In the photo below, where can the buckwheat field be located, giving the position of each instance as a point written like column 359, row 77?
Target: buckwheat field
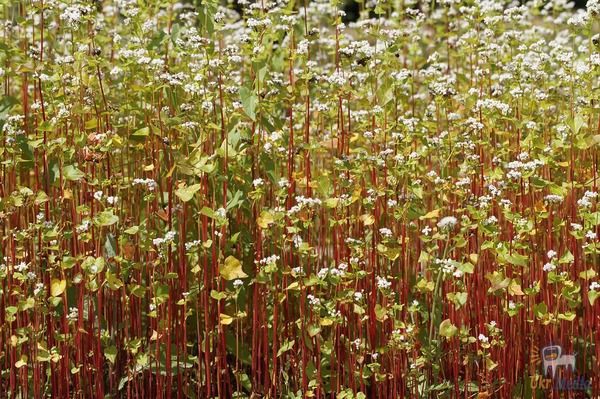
column 299, row 199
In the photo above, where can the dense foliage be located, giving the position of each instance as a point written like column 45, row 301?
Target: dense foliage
column 266, row 200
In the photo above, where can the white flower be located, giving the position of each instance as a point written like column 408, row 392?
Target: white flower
column 553, row 199
column 257, row 182
column 576, row 226
column 170, row 235
column 594, row 286
column 297, row 241
column 39, row 287
column 313, row 300
column 84, row 226
column 150, row 184
column 447, row 222
column 548, row 267
column 323, row 273
column 98, row 195
column 22, row 267
column 238, row 283
column 483, row 338
column 590, row 235
column 586, row 200
column 383, row 283
column 384, row 231
column 551, row 254
column 73, row 314
column 192, row 244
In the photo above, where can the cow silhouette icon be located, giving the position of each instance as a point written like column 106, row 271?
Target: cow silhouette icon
column 553, row 358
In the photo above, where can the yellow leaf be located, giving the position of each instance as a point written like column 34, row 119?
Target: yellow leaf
column 170, row 173
column 515, row 288
column 21, row 362
column 225, row 319
column 540, row 207
column 265, row 219
column 232, row 269
column 474, row 258
column 367, row 219
column 332, row 202
column 490, row 364
column 431, row 215
column 57, row 287
column 326, row 322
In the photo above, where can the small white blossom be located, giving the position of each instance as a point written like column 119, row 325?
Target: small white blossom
column 447, row 223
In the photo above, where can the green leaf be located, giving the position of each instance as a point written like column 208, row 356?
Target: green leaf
column 140, row 134
column 313, row 330
column 568, row 316
column 106, row 218
column 217, row 296
column 232, row 269
column 133, row 230
column 286, row 346
column 138, row 291
column 187, row 193
column 91, row 124
column 111, row 354
column 576, row 123
column 390, row 253
column 592, row 296
column 540, row 310
column 249, row 102
column 466, row 267
column 567, row 258
column 458, row 298
column 206, row 211
column 447, row 329
column 71, row 173
column 68, row 262
column 516, row 259
column 114, row 283
column 110, row 246
column 587, row 274
column 161, row 293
